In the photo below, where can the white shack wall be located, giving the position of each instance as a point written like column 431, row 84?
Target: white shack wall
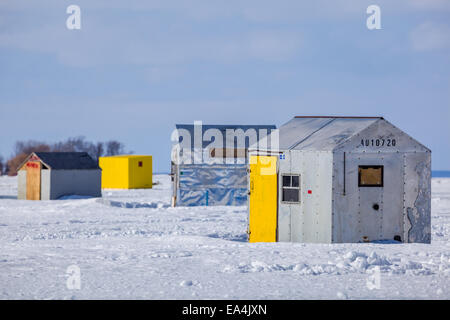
column 22, row 185
column 45, row 184
column 309, row 220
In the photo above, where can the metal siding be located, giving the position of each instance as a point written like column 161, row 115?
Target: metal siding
column 316, row 171
column 284, row 209
column 417, row 197
column 308, row 204
column 201, row 185
column 381, row 129
column 296, row 209
column 354, row 216
column 392, row 218
column 404, row 169
column 324, row 191
column 346, row 211
column 370, row 221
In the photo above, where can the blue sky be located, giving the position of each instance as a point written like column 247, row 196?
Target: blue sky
column 138, row 67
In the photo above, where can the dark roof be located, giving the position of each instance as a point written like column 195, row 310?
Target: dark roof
column 67, row 160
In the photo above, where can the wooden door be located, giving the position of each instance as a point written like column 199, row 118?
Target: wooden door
column 33, row 180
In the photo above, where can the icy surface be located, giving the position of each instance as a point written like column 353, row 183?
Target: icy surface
column 131, row 244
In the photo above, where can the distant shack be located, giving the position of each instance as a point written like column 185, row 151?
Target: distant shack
column 126, row 172
column 209, row 163
column 51, row 175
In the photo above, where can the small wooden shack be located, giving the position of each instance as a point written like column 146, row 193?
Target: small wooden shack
column 51, row 175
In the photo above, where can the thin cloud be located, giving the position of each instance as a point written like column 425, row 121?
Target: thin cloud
column 430, row 36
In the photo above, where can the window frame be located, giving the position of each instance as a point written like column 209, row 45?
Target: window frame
column 222, row 153
column 371, row 167
column 290, row 187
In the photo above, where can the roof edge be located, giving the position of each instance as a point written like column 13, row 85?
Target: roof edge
column 336, row 117
column 373, row 124
column 28, row 158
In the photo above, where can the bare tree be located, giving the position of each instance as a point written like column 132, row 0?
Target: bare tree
column 2, row 166
column 78, row 144
column 30, row 146
column 22, row 150
column 99, row 149
column 114, row 147
column 75, row 144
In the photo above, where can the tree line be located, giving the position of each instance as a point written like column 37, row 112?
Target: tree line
column 76, row 144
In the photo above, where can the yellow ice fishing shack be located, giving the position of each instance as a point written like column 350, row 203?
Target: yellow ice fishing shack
column 126, row 172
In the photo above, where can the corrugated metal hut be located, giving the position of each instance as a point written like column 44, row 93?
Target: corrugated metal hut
column 126, row 172
column 51, row 175
column 209, row 163
column 341, row 179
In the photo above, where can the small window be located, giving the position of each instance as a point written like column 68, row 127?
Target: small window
column 140, row 164
column 370, row 176
column 291, row 188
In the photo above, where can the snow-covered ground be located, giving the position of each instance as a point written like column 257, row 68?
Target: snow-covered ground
column 133, row 245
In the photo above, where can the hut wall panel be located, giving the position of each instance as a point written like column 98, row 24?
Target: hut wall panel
column 393, row 189
column 346, row 212
column 75, row 182
column 22, row 185
column 284, row 209
column 417, row 197
column 324, row 199
column 296, row 209
column 45, row 184
column 316, row 193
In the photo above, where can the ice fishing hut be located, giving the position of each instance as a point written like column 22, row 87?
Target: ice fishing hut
column 340, row 180
column 209, row 163
column 126, row 172
column 51, row 175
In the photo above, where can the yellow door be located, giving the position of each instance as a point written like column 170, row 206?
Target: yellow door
column 263, row 199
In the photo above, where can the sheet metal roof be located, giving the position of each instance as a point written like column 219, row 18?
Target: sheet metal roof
column 67, row 160
column 321, row 133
